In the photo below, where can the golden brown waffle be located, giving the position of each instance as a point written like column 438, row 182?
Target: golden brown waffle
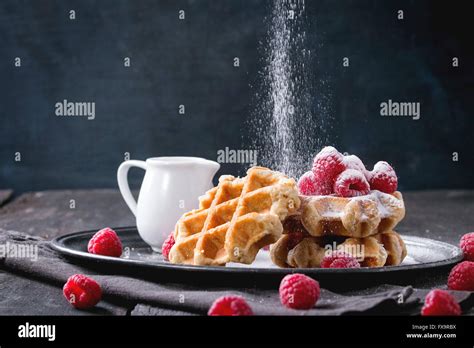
column 296, row 248
column 235, row 219
column 356, row 217
column 384, row 249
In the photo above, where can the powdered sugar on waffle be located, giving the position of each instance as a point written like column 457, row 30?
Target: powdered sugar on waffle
column 285, row 199
column 386, row 204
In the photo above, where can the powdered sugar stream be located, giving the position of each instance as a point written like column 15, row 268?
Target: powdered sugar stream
column 283, row 126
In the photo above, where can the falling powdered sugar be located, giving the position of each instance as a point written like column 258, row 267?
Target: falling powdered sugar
column 283, row 126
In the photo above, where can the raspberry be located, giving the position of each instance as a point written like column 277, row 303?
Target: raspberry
column 462, row 276
column 308, row 186
column 354, row 162
column 383, row 178
column 467, row 246
column 298, row 291
column 105, row 242
column 339, row 259
column 345, row 263
column 440, row 302
column 327, row 165
column 167, row 245
column 351, row 183
column 230, row 306
column 82, row 292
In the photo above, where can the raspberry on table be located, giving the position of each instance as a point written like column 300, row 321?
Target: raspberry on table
column 231, row 305
column 467, row 246
column 105, row 242
column 383, row 178
column 167, row 245
column 309, row 186
column 82, row 292
column 327, row 165
column 440, row 302
column 339, row 259
column 461, row 276
column 351, row 183
column 298, row 291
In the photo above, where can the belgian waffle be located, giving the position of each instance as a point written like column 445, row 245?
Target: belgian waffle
column 356, row 217
column 235, row 219
column 383, row 249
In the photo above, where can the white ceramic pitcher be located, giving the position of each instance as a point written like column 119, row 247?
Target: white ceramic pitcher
column 171, row 187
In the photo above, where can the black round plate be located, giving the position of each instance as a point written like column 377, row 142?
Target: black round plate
column 423, row 255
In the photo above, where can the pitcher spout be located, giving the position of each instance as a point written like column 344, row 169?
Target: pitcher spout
column 196, row 171
column 206, row 169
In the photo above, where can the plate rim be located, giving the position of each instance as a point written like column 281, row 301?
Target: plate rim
column 58, row 244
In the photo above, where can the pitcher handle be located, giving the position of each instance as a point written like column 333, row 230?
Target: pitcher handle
column 122, row 179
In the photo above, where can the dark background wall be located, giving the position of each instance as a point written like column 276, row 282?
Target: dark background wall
column 190, row 62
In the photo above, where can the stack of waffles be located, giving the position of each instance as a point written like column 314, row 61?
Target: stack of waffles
column 236, row 219
column 362, row 226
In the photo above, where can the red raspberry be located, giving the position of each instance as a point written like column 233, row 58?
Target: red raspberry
column 383, row 178
column 345, row 263
column 462, row 276
column 467, row 246
column 105, row 242
column 309, row 186
column 354, row 162
column 230, row 306
column 167, row 245
column 298, row 291
column 440, row 302
column 82, row 292
column 327, row 165
column 339, row 259
column 351, row 183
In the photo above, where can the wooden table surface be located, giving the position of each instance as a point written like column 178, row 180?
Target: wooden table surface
column 441, row 215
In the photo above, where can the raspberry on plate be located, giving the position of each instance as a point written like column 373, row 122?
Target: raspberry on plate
column 309, row 186
column 327, row 165
column 351, row 183
column 82, row 292
column 467, row 246
column 167, row 245
column 230, row 306
column 461, row 276
column 105, row 242
column 383, row 178
column 298, row 291
column 440, row 302
column 339, row 259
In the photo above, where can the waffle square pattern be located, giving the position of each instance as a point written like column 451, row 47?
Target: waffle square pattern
column 235, row 219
